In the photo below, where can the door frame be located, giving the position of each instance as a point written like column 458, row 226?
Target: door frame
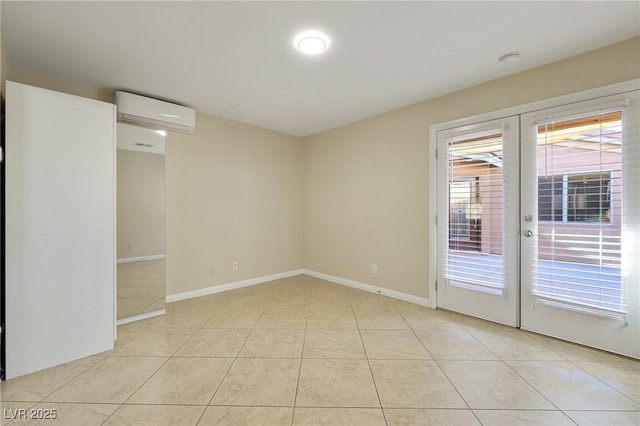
column 563, row 100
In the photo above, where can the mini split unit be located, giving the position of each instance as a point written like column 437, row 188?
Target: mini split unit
column 154, row 114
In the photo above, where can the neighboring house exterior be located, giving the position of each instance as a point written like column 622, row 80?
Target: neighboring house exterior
column 579, row 192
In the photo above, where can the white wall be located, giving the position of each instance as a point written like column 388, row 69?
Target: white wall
column 60, row 228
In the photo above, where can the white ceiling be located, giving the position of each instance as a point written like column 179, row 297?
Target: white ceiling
column 238, row 57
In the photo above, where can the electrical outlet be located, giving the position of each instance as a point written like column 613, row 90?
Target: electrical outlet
column 374, row 268
column 212, row 270
column 235, row 266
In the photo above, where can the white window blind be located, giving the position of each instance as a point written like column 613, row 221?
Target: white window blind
column 581, row 185
column 475, row 198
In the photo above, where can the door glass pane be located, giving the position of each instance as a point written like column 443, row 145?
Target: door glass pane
column 579, row 212
column 475, row 187
column 459, row 203
column 550, row 198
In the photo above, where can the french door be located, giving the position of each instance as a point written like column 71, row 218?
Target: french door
column 580, row 223
column 478, row 211
column 539, row 223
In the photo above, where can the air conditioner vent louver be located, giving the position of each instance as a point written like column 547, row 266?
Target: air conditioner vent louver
column 154, row 114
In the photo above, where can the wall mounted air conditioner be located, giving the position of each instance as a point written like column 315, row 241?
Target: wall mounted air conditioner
column 154, row 114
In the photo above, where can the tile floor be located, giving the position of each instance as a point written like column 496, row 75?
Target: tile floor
column 304, row 351
column 141, row 287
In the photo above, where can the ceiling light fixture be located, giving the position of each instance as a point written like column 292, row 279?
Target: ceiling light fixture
column 510, row 58
column 311, row 43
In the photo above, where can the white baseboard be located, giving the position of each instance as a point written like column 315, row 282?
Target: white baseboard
column 372, row 289
column 141, row 258
column 231, row 286
column 139, row 317
column 337, row 280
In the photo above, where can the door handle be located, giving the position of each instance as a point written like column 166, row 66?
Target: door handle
column 528, row 233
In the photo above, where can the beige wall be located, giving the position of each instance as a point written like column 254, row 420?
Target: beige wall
column 367, row 184
column 357, row 194
column 58, row 84
column 141, row 204
column 234, row 193
column 9, row 72
column 4, row 62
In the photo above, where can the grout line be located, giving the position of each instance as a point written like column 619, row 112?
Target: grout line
column 276, row 297
column 103, row 359
column 304, row 339
column 439, row 366
column 233, row 362
column 138, row 388
column 531, row 385
column 111, row 415
column 373, row 379
column 637, row 402
column 415, row 334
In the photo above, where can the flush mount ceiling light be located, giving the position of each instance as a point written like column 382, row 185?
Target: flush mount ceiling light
column 510, row 58
column 311, row 43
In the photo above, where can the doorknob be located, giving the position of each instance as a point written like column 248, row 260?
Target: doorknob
column 528, row 233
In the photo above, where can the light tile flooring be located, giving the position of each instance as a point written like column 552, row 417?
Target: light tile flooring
column 141, row 287
column 304, row 351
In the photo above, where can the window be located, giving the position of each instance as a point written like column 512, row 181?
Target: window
column 459, row 200
column 579, row 197
column 464, row 206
